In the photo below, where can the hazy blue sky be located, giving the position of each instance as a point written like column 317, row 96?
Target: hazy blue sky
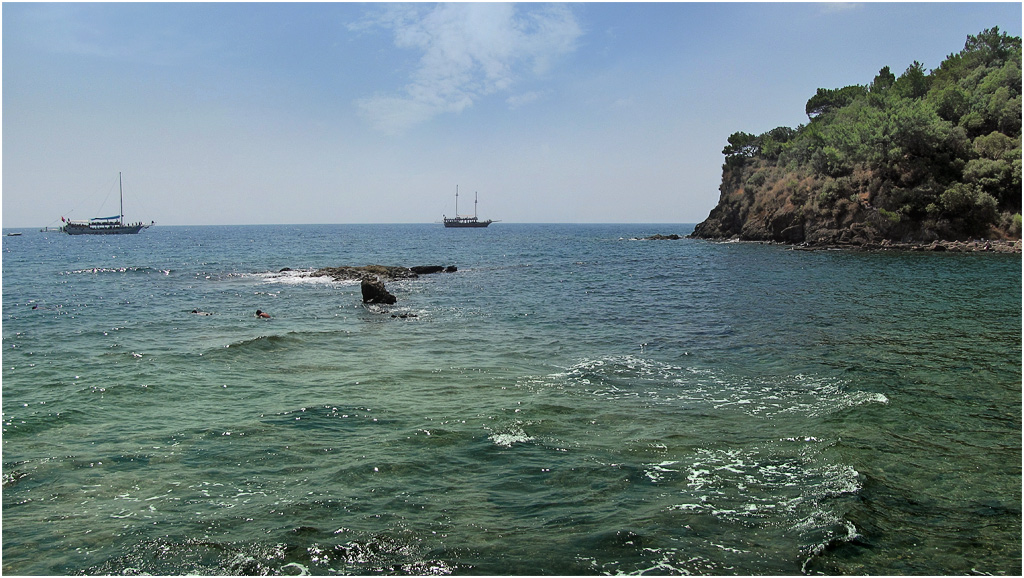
column 373, row 113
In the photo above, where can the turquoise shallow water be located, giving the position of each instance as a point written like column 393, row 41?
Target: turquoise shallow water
column 571, row 401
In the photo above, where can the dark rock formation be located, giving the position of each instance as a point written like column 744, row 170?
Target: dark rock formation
column 375, row 292
column 368, row 271
column 372, row 278
column 379, row 272
column 429, row 269
column 660, row 237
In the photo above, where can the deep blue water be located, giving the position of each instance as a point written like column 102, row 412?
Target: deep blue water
column 571, row 401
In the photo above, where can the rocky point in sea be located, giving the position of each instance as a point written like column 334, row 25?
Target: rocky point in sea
column 371, row 278
column 373, row 291
column 382, row 272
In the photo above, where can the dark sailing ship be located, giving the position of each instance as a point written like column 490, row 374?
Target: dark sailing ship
column 104, row 225
column 463, row 222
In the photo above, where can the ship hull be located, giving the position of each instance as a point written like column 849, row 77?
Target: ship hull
column 465, row 223
column 103, row 230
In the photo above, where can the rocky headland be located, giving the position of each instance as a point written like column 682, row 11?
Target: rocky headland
column 927, row 161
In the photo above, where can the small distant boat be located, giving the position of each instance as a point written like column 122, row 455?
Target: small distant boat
column 105, row 225
column 464, row 222
column 13, row 234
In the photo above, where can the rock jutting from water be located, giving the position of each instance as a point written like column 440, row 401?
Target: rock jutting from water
column 374, row 292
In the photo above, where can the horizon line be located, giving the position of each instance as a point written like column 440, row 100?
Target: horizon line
column 157, row 225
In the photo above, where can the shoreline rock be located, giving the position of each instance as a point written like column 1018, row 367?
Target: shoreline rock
column 660, row 237
column 972, row 246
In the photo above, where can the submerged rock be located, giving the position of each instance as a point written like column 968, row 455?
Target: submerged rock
column 347, row 273
column 365, row 272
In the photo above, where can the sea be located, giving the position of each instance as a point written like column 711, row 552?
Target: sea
column 573, row 400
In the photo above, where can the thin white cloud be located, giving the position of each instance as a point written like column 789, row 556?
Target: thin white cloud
column 468, row 51
column 520, row 100
column 837, row 7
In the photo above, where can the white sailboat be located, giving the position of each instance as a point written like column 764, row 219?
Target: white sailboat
column 105, row 225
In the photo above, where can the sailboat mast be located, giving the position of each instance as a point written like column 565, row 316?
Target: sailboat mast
column 475, row 199
column 456, row 200
column 120, row 188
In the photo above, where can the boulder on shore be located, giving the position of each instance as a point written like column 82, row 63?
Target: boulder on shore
column 375, row 292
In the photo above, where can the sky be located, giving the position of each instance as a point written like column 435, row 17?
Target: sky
column 288, row 113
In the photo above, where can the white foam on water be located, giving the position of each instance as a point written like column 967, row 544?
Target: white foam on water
column 781, row 483
column 657, row 472
column 295, row 566
column 629, row 377
column 786, row 484
column 813, row 551
column 509, row 438
column 300, row 277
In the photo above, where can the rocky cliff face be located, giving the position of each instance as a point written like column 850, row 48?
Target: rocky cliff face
column 761, row 202
column 757, row 204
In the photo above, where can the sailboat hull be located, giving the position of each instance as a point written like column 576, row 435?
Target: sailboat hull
column 75, row 229
column 465, row 222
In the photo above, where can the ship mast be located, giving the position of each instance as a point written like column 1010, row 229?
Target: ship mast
column 456, row 201
column 475, row 199
column 120, row 217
